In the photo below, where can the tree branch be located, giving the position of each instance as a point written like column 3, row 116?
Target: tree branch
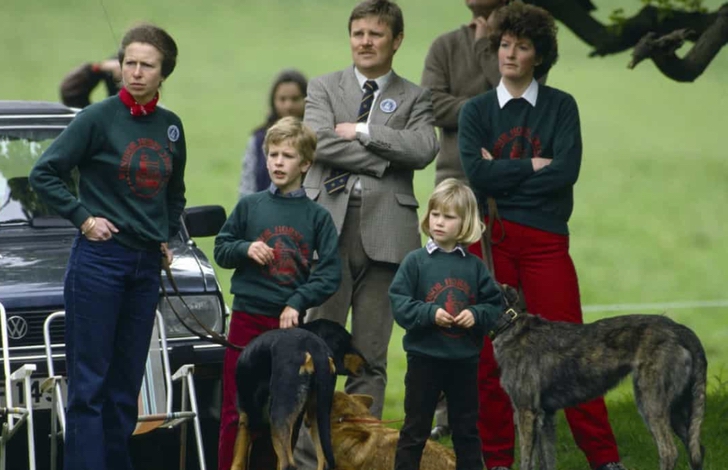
column 698, row 58
column 574, row 14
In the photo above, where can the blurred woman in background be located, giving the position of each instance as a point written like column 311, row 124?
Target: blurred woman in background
column 287, row 98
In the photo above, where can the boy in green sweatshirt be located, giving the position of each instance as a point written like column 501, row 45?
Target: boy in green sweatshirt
column 270, row 239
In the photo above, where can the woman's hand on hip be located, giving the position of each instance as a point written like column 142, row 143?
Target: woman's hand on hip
column 100, row 229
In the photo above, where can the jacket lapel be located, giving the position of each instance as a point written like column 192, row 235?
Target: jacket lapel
column 390, row 98
column 350, row 96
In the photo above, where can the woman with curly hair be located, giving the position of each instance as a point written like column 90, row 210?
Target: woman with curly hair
column 520, row 145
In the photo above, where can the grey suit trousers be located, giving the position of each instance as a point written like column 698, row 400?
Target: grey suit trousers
column 364, row 288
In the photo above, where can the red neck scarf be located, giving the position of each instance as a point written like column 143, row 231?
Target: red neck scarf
column 135, row 108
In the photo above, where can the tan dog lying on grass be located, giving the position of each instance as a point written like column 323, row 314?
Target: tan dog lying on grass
column 361, row 442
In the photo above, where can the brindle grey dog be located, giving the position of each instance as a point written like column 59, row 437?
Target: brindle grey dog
column 546, row 366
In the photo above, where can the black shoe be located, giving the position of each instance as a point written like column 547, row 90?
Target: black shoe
column 440, row 431
column 500, row 468
column 612, row 466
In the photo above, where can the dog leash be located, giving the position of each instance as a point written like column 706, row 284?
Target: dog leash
column 212, row 336
column 486, row 246
column 369, row 420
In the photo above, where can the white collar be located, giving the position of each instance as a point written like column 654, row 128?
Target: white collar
column 431, row 246
column 381, row 81
column 504, row 96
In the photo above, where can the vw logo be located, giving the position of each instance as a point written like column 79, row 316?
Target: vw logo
column 17, row 327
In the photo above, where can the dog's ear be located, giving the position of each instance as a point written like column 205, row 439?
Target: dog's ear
column 354, row 363
column 365, row 400
column 510, row 294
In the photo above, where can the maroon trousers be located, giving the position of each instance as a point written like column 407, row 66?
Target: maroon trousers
column 540, row 263
column 243, row 328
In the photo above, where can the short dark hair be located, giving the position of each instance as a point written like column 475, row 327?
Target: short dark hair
column 150, row 34
column 388, row 12
column 530, row 22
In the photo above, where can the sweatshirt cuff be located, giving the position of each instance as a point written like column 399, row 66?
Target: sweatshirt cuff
column 79, row 216
column 527, row 166
column 296, row 302
column 433, row 310
column 244, row 247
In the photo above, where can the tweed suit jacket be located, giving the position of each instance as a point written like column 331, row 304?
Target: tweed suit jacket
column 384, row 161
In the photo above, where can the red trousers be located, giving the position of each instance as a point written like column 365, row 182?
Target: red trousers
column 540, row 263
column 243, row 328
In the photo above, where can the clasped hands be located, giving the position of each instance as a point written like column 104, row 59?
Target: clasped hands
column 464, row 319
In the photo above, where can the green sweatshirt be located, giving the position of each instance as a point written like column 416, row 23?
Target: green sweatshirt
column 513, row 135
column 295, row 227
column 453, row 281
column 131, row 172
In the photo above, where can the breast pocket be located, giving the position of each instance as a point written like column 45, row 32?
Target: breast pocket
column 398, row 121
column 407, row 200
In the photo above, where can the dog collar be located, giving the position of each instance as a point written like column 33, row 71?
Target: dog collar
column 504, row 322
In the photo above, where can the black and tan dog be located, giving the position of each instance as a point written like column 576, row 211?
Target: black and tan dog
column 546, row 366
column 281, row 375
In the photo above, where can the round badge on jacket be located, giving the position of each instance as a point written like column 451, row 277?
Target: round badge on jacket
column 388, row 105
column 173, row 133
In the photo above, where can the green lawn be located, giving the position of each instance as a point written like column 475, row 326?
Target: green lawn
column 647, row 225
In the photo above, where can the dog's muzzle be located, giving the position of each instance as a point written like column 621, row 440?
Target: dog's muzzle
column 504, row 322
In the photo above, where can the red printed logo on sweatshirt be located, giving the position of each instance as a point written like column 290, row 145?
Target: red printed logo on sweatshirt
column 290, row 257
column 453, row 295
column 517, row 143
column 146, row 166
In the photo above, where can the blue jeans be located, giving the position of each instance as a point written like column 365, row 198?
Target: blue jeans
column 111, row 293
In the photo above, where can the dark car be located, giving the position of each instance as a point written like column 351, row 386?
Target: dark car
column 34, row 247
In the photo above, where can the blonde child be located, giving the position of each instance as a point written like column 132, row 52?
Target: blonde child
column 270, row 239
column 446, row 301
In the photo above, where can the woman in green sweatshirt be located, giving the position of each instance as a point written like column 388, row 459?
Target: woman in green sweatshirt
column 130, row 155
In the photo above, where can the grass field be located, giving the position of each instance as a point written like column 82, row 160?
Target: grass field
column 649, row 224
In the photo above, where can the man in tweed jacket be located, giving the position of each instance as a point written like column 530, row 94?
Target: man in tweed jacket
column 373, row 155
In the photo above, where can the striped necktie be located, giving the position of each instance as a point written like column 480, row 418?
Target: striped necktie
column 337, row 178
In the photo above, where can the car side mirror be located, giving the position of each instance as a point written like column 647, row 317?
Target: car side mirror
column 204, row 221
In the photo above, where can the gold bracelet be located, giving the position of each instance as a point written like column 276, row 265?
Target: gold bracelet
column 91, row 225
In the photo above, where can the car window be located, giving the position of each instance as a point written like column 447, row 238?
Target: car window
column 19, row 150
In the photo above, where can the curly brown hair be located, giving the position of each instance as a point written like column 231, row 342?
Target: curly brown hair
column 148, row 33
column 529, row 22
